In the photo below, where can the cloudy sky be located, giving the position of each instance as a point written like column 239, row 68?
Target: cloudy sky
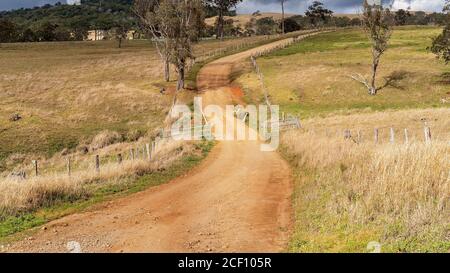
column 249, row 6
column 339, row 6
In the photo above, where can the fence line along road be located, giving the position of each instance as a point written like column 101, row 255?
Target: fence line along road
column 294, row 122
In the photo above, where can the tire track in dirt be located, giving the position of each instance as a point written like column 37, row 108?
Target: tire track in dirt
column 237, row 200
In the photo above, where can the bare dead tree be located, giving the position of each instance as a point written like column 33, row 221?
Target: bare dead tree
column 283, row 25
column 146, row 11
column 378, row 24
column 120, row 33
column 174, row 25
column 222, row 7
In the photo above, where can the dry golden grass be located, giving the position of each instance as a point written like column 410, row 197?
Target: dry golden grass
column 69, row 92
column 349, row 194
column 241, row 19
column 105, row 138
column 412, row 120
column 19, row 196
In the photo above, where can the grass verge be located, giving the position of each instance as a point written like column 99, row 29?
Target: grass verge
column 349, row 194
column 10, row 226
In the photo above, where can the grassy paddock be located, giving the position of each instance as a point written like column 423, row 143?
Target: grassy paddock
column 312, row 77
column 68, row 92
column 349, row 194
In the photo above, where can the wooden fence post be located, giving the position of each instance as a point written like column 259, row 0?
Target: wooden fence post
column 392, row 135
column 427, row 132
column 347, row 134
column 149, row 152
column 406, row 136
column 35, row 166
column 97, row 163
column 131, row 153
column 299, row 125
column 153, row 149
column 376, row 135
column 69, row 167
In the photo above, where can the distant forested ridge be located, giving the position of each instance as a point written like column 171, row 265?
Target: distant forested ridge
column 61, row 22
column 64, row 22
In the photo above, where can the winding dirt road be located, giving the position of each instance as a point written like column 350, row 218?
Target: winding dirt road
column 237, row 200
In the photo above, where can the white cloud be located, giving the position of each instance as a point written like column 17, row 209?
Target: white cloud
column 74, row 2
column 425, row 5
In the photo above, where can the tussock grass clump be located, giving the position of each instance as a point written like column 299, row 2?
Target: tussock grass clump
column 21, row 196
column 105, row 138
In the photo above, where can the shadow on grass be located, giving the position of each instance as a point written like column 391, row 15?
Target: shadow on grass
column 444, row 78
column 395, row 80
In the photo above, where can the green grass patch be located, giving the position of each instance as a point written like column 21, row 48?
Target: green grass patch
column 312, row 77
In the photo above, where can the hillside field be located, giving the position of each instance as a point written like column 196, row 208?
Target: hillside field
column 313, row 77
column 68, row 92
column 242, row 19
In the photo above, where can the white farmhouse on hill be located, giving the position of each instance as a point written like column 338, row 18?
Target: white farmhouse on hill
column 97, row 35
column 100, row 34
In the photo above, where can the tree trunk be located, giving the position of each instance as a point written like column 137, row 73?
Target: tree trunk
column 282, row 17
column 220, row 23
column 166, row 69
column 120, row 42
column 376, row 60
column 181, row 70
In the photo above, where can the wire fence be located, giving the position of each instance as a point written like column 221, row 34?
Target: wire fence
column 380, row 135
column 248, row 43
column 289, row 121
